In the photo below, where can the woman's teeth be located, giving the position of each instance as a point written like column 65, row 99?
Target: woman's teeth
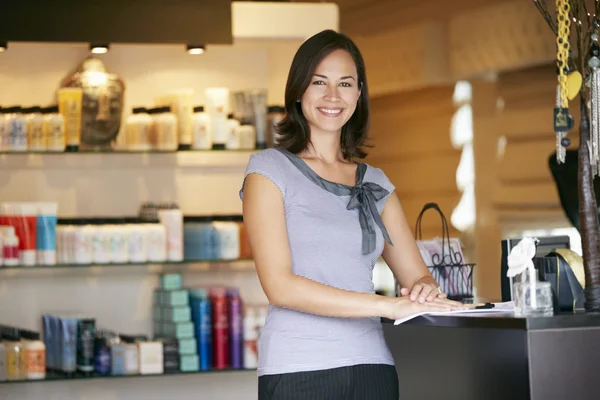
column 331, row 111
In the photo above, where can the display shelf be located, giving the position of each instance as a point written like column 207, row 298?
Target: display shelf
column 120, row 151
column 239, row 265
column 59, row 376
column 131, row 159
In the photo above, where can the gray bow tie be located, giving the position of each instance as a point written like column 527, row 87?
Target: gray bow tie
column 363, row 196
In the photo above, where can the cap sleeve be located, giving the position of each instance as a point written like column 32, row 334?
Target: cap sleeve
column 268, row 164
column 379, row 177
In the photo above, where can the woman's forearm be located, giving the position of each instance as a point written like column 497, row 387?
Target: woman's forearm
column 306, row 295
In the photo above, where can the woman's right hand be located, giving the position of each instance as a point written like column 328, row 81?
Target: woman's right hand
column 401, row 307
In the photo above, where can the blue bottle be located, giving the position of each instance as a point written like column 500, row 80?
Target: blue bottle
column 201, row 315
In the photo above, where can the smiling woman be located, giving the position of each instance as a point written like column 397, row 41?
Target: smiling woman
column 317, row 221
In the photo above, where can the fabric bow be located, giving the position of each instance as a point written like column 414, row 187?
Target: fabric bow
column 364, row 196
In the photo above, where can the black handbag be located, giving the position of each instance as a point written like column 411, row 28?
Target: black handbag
column 563, row 268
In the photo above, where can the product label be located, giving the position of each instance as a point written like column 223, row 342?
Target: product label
column 2, row 366
column 36, row 361
column 19, row 133
column 3, row 142
column 85, row 345
column 54, row 131
column 15, row 364
column 46, row 232
column 10, row 252
column 35, row 134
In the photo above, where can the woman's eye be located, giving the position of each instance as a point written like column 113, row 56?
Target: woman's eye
column 345, row 84
column 318, row 83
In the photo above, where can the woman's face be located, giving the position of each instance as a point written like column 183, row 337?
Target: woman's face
column 331, row 96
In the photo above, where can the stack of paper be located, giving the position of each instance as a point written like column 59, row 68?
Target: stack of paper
column 499, row 308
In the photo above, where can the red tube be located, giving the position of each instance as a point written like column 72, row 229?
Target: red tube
column 220, row 328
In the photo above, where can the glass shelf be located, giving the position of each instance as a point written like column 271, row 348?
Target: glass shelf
column 120, row 151
column 159, row 267
column 59, row 376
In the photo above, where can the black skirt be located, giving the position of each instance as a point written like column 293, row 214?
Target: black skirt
column 358, row 382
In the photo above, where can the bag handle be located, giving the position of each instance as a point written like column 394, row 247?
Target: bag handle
column 452, row 258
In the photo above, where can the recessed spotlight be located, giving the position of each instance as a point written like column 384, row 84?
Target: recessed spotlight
column 99, row 48
column 195, row 49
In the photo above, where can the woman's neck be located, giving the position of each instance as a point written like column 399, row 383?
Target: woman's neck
column 326, row 147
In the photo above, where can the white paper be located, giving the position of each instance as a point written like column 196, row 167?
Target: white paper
column 499, row 308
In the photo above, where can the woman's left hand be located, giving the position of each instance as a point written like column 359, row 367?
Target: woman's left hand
column 423, row 292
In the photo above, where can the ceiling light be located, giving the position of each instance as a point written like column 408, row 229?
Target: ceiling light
column 195, row 49
column 3, row 46
column 99, row 48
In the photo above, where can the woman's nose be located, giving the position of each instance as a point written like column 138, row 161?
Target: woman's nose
column 332, row 93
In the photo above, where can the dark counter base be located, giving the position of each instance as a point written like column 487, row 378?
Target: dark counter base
column 491, row 358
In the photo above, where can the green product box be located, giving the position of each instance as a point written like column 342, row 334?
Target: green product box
column 182, row 330
column 170, row 281
column 189, row 363
column 157, row 327
column 176, row 314
column 188, row 346
column 156, row 313
column 172, row 298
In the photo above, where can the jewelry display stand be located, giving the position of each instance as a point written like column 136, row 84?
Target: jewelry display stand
column 448, row 268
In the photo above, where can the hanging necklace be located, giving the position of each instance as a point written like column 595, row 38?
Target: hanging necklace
column 563, row 121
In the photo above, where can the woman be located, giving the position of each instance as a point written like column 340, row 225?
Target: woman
column 317, row 221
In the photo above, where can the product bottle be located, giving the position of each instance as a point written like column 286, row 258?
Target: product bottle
column 46, row 233
column 131, row 358
column 200, row 129
column 138, row 247
column 233, row 137
column 10, row 247
column 34, row 121
column 205, row 342
column 167, row 134
column 246, row 134
column 18, row 129
column 172, row 218
column 132, row 129
column 102, row 360
column 4, row 136
column 156, row 240
column 250, row 340
column 25, row 223
column 54, row 129
column 236, row 328
column 119, row 242
column 86, row 329
column 100, row 243
column 2, row 360
column 35, row 355
column 220, row 328
column 83, row 243
column 117, row 355
column 228, row 238
column 16, row 367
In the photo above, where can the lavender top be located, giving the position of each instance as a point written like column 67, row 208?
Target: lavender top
column 330, row 227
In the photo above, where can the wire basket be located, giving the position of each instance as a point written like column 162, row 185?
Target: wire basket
column 448, row 268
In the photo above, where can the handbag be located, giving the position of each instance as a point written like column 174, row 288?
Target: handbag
column 563, row 268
